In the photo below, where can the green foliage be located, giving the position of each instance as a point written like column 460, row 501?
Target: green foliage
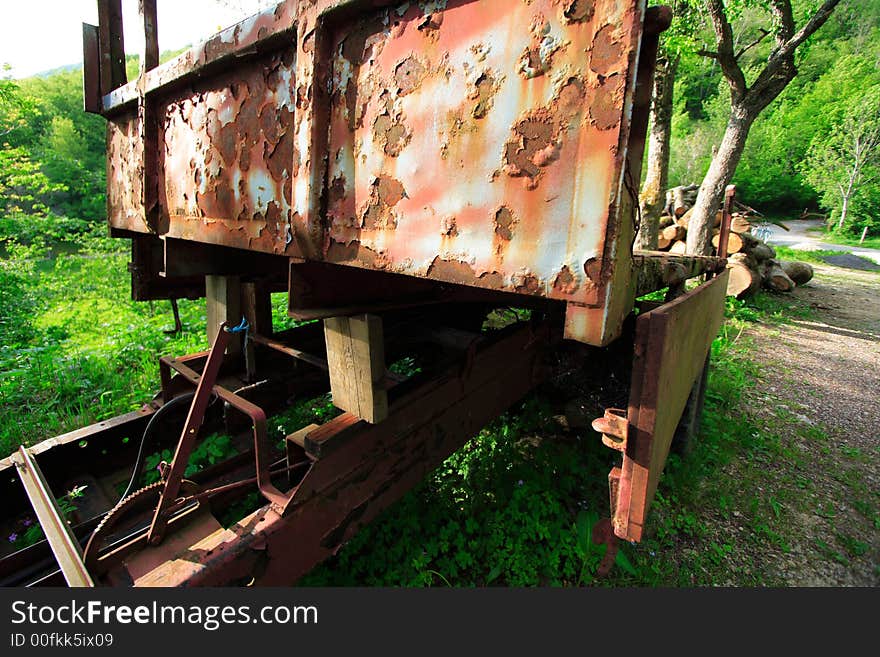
column 209, row 450
column 843, row 165
column 515, row 506
column 23, row 185
column 836, row 69
column 51, row 151
column 496, row 512
column 76, row 348
column 28, row 530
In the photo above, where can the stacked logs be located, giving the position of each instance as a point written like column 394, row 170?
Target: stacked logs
column 752, row 263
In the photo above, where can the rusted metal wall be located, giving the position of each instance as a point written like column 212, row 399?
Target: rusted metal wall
column 124, row 174
column 227, row 157
column 481, row 142
column 476, row 142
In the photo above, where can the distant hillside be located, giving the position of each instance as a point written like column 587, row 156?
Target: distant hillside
column 130, row 60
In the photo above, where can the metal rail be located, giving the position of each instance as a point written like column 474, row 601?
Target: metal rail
column 59, row 535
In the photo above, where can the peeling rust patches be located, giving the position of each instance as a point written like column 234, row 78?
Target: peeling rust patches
column 484, row 93
column 273, row 213
column 504, row 222
column 355, row 48
column 282, row 155
column 390, row 191
column 537, row 58
column 593, row 270
column 605, row 106
column 391, row 134
column 385, row 194
column 607, row 52
column 456, row 271
column 579, row 11
column 448, row 227
column 531, row 136
column 565, row 282
column 537, row 138
column 430, row 24
column 524, row 282
column 409, row 74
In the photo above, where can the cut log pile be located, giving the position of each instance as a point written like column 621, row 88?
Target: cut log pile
column 752, row 263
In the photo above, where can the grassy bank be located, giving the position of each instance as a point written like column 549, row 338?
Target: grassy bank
column 848, row 240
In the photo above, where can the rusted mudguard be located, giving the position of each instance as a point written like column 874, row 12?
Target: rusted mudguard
column 671, row 345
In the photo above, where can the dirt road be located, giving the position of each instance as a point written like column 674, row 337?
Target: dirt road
column 802, row 235
column 820, row 389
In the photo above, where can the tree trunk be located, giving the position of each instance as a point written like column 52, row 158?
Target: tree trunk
column 653, row 191
column 799, row 272
column 717, row 178
column 843, row 210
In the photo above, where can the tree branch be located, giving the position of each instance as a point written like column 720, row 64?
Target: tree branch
column 754, row 43
column 780, row 66
column 781, row 10
column 818, row 20
column 724, row 35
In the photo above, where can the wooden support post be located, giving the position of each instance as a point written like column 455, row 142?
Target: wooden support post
column 256, row 306
column 223, row 297
column 356, row 360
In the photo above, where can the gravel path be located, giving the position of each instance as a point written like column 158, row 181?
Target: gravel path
column 801, row 237
column 821, row 377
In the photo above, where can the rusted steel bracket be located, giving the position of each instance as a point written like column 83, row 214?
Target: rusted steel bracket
column 613, row 427
column 258, row 420
column 205, row 389
column 188, row 437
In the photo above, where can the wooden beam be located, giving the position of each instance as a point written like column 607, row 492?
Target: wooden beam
column 356, row 360
column 256, row 306
column 223, row 296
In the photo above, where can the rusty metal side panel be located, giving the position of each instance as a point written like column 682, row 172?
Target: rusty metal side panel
column 671, row 345
column 125, row 176
column 227, row 156
column 91, row 68
column 482, row 142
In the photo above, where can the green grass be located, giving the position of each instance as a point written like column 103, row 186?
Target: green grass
column 513, row 507
column 870, row 242
column 77, row 349
column 510, row 507
column 785, row 253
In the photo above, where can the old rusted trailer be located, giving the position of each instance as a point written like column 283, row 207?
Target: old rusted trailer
column 400, row 169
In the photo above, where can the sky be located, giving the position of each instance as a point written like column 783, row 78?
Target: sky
column 39, row 35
